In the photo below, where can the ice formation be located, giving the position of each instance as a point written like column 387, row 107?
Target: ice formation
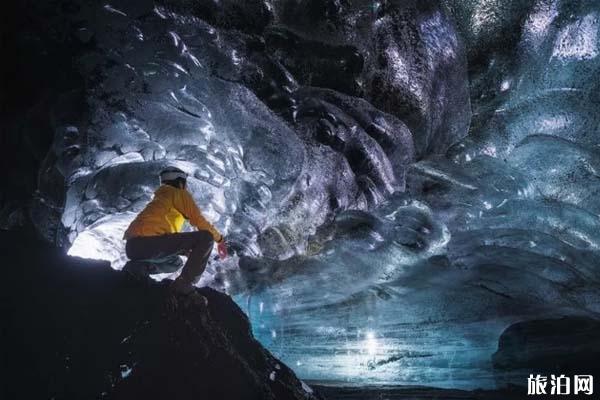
column 376, row 242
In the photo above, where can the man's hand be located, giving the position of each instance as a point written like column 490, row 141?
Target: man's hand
column 222, row 249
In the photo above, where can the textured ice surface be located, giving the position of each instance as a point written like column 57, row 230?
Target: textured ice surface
column 315, row 135
column 272, row 154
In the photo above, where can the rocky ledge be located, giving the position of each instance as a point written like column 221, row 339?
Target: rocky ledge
column 568, row 345
column 76, row 329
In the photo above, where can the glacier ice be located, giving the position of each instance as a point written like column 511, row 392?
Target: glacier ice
column 220, row 106
column 377, row 242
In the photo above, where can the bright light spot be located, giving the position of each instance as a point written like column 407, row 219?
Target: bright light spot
column 125, row 371
column 160, row 12
column 103, row 240
column 490, row 151
column 371, row 344
column 235, row 57
column 505, row 85
column 175, row 38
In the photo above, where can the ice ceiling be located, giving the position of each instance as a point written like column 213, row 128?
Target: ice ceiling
column 400, row 179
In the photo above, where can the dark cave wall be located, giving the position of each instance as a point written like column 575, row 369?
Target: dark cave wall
column 38, row 74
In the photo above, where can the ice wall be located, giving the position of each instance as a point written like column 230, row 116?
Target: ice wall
column 503, row 228
column 375, row 242
column 273, row 154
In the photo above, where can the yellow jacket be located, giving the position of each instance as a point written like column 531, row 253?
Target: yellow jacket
column 167, row 212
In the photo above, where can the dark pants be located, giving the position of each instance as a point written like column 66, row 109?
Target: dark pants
column 197, row 245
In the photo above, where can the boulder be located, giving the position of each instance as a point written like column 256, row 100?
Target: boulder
column 569, row 345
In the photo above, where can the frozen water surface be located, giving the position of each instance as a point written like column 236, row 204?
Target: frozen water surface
column 378, row 239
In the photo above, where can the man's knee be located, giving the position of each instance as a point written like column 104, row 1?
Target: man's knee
column 203, row 238
column 136, row 268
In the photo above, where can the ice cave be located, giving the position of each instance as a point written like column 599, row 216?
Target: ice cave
column 399, row 180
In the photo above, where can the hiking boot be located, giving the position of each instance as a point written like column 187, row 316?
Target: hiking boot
column 188, row 292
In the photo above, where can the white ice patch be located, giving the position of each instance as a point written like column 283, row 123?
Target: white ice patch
column 553, row 123
column 398, row 65
column 438, row 37
column 103, row 240
column 125, row 159
column 125, row 371
column 536, row 26
column 111, row 9
column 490, row 151
column 579, row 40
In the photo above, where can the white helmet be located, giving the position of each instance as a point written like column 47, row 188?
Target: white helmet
column 172, row 173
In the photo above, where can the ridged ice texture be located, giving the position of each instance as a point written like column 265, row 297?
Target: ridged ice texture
column 505, row 228
column 315, row 133
column 272, row 155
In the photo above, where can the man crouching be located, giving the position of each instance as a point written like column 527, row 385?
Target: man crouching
column 154, row 238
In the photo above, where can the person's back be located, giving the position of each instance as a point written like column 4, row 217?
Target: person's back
column 167, row 212
column 155, row 233
column 158, row 217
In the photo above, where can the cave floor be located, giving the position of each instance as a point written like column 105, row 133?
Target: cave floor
column 412, row 393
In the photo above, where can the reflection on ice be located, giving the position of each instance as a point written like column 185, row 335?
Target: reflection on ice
column 366, row 254
column 536, row 26
column 578, row 40
column 508, row 254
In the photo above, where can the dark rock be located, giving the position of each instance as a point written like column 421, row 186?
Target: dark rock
column 76, row 329
column 38, row 77
column 570, row 346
